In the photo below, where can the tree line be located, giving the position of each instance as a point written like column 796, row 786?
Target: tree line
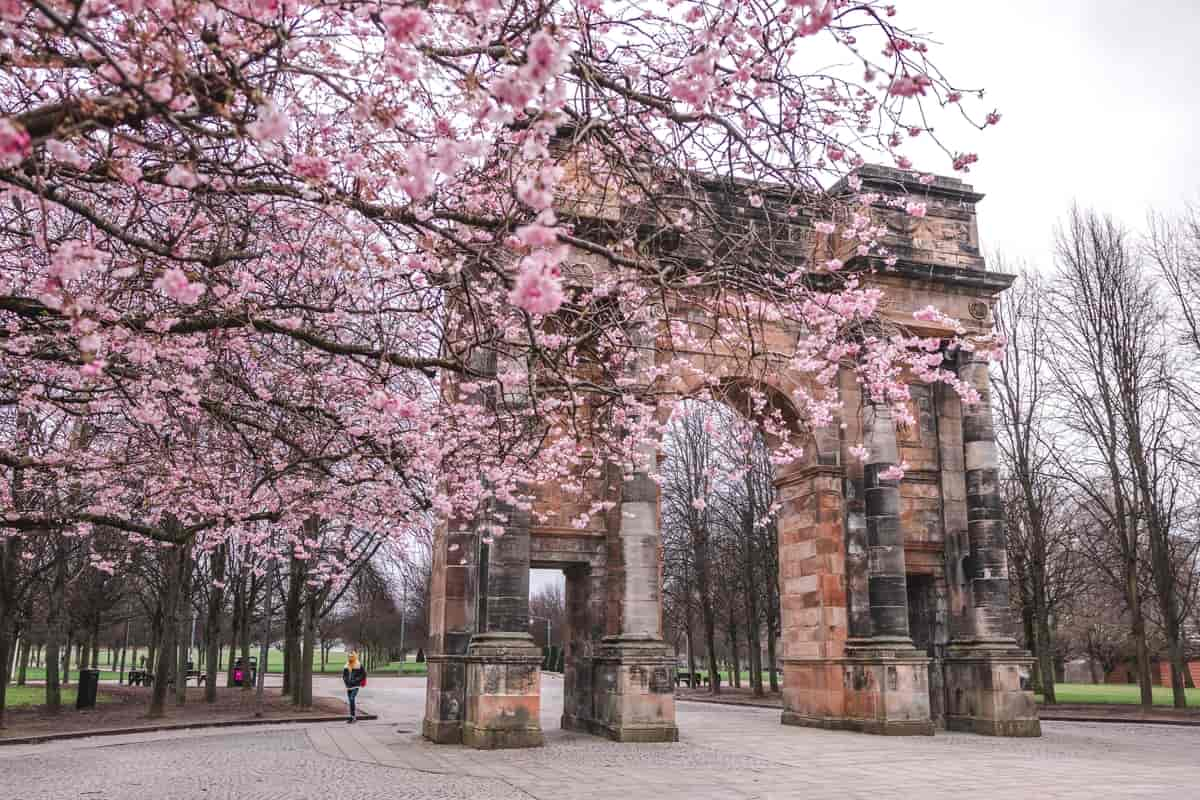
column 1097, row 404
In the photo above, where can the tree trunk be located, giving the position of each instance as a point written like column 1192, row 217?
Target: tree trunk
column 1139, row 637
column 71, row 646
column 23, row 666
column 184, row 648
column 124, row 652
column 691, row 650
column 735, row 673
column 1045, row 657
column 306, row 656
column 168, row 631
column 8, row 619
column 244, row 635
column 216, row 603
column 53, row 669
column 239, row 591
column 293, row 668
column 710, row 641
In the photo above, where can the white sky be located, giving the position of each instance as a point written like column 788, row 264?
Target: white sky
column 1100, row 105
column 1100, row 102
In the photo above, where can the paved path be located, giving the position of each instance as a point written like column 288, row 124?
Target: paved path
column 726, row 753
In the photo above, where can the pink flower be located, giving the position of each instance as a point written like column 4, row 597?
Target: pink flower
column 537, row 191
column 826, row 228
column 756, row 200
column 893, row 473
column 909, row 85
column 14, row 144
column 834, row 264
column 418, row 182
column 271, row 125
column 182, row 177
column 312, row 167
column 539, row 286
column 963, row 161
column 835, row 153
column 859, row 452
column 545, row 58
column 697, row 81
column 537, row 235
column 993, row 118
column 73, row 260
column 816, row 15
column 405, row 24
column 94, row 368
column 174, row 283
column 915, row 209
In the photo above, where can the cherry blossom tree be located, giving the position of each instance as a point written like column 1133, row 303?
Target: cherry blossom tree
column 269, row 260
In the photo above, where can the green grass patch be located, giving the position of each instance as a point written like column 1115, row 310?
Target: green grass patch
column 337, row 662
column 1116, row 693
column 725, row 676
column 32, row 696
column 39, row 674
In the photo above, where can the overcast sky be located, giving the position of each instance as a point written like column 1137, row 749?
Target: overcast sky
column 1100, row 102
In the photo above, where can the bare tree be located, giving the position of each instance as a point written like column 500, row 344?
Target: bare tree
column 1115, row 371
column 1040, row 544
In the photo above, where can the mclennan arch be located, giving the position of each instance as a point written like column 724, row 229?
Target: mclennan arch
column 894, row 594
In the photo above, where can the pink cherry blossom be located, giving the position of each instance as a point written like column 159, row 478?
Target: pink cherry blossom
column 271, row 124
column 538, row 288
column 14, row 143
column 174, row 283
column 909, row 85
column 313, row 167
column 405, row 24
column 182, row 177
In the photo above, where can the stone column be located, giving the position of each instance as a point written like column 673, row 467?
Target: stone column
column 886, row 678
column 987, row 675
column 634, row 678
column 885, row 541
column 452, row 607
column 987, row 565
column 503, row 664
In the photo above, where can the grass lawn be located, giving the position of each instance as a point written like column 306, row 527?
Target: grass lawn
column 29, row 696
column 1119, row 693
column 333, row 665
column 39, row 674
column 337, row 661
column 725, row 679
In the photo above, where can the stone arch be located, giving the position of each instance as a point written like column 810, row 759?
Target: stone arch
column 849, row 535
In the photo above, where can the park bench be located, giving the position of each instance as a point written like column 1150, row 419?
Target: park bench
column 139, row 677
column 682, row 676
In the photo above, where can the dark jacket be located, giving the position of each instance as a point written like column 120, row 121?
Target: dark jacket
column 353, row 678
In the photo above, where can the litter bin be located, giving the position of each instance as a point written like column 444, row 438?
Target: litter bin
column 85, row 695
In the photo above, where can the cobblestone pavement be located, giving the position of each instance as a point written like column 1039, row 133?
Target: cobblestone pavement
column 730, row 753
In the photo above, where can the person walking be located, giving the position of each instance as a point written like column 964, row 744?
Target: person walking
column 355, row 678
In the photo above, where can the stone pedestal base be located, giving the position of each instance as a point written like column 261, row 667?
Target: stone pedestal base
column 503, row 692
column 633, row 690
column 445, row 698
column 988, row 691
column 874, row 688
